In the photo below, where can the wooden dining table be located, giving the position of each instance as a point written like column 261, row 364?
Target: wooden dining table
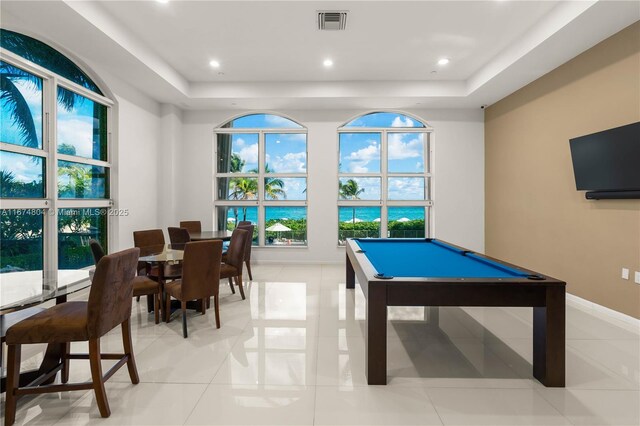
column 210, row 235
column 160, row 255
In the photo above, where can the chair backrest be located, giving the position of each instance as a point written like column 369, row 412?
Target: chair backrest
column 244, row 223
column 96, row 250
column 111, row 292
column 201, row 269
column 249, row 243
column 191, row 225
column 235, row 253
column 178, row 237
column 148, row 238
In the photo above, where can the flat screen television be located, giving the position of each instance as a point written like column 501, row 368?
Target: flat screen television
column 607, row 163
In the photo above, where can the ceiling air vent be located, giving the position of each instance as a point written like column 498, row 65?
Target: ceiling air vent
column 332, row 20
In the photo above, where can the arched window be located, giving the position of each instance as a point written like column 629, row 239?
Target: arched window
column 261, row 177
column 54, row 168
column 384, row 182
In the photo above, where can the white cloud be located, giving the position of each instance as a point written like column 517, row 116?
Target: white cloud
column 239, row 142
column 400, row 149
column 398, row 122
column 249, row 154
column 357, row 167
column 406, row 188
column 292, row 162
column 366, row 154
column 77, row 132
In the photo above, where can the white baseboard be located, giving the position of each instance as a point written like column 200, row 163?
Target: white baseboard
column 297, row 262
column 618, row 318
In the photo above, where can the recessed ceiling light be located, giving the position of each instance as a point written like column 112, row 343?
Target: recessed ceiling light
column 163, row 1
column 327, row 63
column 443, row 61
column 214, row 64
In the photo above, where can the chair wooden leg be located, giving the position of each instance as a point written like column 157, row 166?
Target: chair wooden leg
column 208, row 302
column 216, row 307
column 128, row 350
column 13, row 381
column 167, row 309
column 233, row 290
column 96, row 377
column 239, row 282
column 64, row 374
column 137, row 298
column 156, row 307
column 183, row 305
column 203, row 307
column 249, row 270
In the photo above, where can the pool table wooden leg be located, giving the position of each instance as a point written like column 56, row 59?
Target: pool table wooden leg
column 376, row 335
column 351, row 275
column 549, row 339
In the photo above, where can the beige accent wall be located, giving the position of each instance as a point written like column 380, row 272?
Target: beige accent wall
column 534, row 215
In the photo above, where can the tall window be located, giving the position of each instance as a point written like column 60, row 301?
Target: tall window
column 54, row 169
column 261, row 177
column 384, row 182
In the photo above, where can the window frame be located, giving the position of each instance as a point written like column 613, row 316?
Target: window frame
column 261, row 203
column 51, row 204
column 384, row 203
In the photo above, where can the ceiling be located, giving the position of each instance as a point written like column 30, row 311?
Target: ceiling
column 271, row 52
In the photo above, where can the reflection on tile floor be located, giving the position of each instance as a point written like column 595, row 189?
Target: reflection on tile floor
column 293, row 353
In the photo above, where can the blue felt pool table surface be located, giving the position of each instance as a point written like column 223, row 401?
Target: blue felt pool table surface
column 431, row 258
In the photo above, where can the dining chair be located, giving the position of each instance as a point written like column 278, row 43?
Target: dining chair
column 244, row 223
column 178, row 237
column 232, row 266
column 247, row 248
column 154, row 238
column 200, row 279
column 192, row 225
column 109, row 305
column 142, row 285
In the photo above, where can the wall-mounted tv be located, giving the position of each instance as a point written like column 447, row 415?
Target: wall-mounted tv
column 607, row 163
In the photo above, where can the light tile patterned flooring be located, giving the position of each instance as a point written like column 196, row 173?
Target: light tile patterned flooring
column 293, row 353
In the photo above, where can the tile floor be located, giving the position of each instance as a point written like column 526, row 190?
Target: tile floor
column 293, row 353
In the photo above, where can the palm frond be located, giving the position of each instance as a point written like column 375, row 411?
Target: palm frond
column 14, row 102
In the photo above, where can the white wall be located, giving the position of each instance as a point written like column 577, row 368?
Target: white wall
column 459, row 178
column 137, row 125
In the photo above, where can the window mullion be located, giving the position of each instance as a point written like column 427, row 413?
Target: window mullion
column 384, row 171
column 50, row 231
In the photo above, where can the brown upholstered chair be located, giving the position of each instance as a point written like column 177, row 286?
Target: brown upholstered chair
column 142, row 285
column 178, row 237
column 244, row 223
column 154, row 238
column 247, row 248
column 192, row 225
column 200, row 279
column 232, row 266
column 109, row 305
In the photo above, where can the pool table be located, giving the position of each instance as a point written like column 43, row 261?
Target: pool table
column 431, row 272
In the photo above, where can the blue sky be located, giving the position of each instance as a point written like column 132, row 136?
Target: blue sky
column 384, row 119
column 8, row 130
column 75, row 127
column 25, row 168
column 264, row 121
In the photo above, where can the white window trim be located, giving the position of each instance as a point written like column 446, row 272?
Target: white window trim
column 51, row 203
column 384, row 203
column 261, row 202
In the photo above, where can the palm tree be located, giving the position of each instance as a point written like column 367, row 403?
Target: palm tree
column 272, row 186
column 10, row 97
column 13, row 101
column 350, row 190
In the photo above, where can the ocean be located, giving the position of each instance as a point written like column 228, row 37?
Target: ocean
column 365, row 214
